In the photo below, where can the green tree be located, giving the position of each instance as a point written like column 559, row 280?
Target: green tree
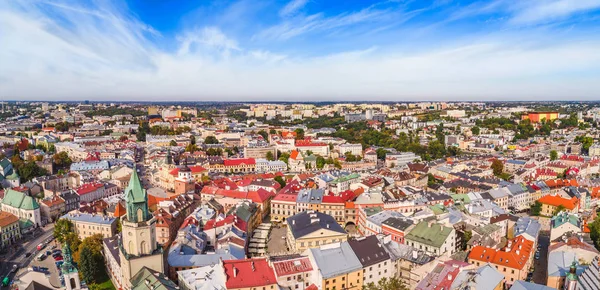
column 558, row 209
column 172, row 143
column 284, row 156
column 61, row 229
column 280, row 180
column 381, row 153
column 31, row 170
column 193, row 139
column 211, row 140
column 536, row 208
column 191, row 148
column 386, row 284
column 270, row 156
column 272, row 131
column 595, row 231
column 320, row 162
column 553, row 155
column 264, row 134
column 89, row 268
column 299, row 134
column 62, row 159
column 475, row 130
column 214, row 152
column 497, row 166
column 466, row 238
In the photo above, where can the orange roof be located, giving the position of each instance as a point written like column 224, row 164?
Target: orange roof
column 294, row 154
column 120, row 210
column 555, row 200
column 7, row 218
column 514, row 255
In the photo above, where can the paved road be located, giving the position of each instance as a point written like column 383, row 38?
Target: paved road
column 29, row 245
column 541, row 265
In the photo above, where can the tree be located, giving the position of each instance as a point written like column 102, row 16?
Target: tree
column 89, row 266
column 497, row 167
column 553, row 155
column 264, row 134
column 211, row 140
column 475, row 130
column 280, row 180
column 214, row 152
column 381, row 153
column 119, row 226
column 172, row 143
column 31, row 170
column 270, row 156
column 193, row 139
column 595, row 231
column 62, row 159
column 191, row 148
column 299, row 134
column 61, row 229
column 386, row 284
column 536, row 208
column 558, row 209
column 466, row 238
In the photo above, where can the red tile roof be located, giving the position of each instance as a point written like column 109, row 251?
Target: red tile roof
column 7, row 218
column 305, row 143
column 248, row 273
column 239, row 161
column 194, row 169
column 292, row 266
column 258, row 196
column 88, row 188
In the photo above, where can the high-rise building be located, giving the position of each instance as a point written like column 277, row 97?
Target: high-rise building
column 138, row 248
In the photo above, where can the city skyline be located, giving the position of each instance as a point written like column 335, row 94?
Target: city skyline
column 300, row 50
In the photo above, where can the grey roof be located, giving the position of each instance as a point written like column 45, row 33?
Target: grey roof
column 398, row 223
column 498, row 193
column 148, row 279
column 560, row 262
column 335, row 259
column 522, row 285
column 382, row 216
column 304, row 223
column 527, row 225
column 310, row 196
column 485, row 278
column 405, row 252
column 368, row 250
column 590, row 279
column 89, row 218
column 112, row 244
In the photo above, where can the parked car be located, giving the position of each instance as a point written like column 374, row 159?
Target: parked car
column 40, row 247
column 58, row 258
column 27, row 255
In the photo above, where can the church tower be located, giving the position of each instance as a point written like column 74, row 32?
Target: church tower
column 138, row 241
column 572, row 280
column 184, row 182
column 69, row 272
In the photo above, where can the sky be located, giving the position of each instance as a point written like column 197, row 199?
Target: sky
column 300, row 50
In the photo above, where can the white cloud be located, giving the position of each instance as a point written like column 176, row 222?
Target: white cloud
column 292, row 7
column 542, row 11
column 111, row 56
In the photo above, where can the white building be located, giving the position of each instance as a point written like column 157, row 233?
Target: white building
column 264, row 165
column 354, row 149
column 23, row 206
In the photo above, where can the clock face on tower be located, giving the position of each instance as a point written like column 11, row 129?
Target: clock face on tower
column 130, row 234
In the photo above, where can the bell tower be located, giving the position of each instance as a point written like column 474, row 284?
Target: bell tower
column 138, row 246
column 69, row 272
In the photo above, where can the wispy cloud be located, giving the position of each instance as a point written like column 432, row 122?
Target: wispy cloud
column 292, row 7
column 532, row 12
column 68, row 50
column 319, row 22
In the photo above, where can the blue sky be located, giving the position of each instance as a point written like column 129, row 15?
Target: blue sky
column 304, row 50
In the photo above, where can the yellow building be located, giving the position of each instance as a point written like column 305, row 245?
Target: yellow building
column 87, row 225
column 337, row 266
column 313, row 229
column 10, row 232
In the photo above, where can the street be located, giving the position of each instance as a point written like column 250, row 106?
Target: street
column 29, row 242
column 541, row 265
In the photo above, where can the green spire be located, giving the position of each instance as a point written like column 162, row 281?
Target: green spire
column 572, row 276
column 169, row 157
column 136, row 199
column 67, row 266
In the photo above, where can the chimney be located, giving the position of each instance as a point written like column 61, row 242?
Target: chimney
column 252, row 264
column 235, row 270
column 449, row 277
